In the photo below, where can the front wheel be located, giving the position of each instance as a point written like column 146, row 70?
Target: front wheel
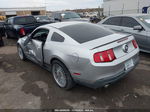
column 21, row 53
column 61, row 75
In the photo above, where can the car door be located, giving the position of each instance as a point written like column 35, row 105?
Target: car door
column 56, row 39
column 113, row 23
column 127, row 26
column 36, row 44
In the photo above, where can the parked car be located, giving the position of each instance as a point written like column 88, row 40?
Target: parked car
column 80, row 52
column 43, row 19
column 19, row 26
column 67, row 16
column 81, row 15
column 94, row 19
column 135, row 24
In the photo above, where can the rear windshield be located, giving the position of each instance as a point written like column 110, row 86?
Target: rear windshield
column 85, row 32
column 24, row 20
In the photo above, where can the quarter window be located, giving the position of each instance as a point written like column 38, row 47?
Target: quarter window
column 129, row 22
column 113, row 21
column 57, row 37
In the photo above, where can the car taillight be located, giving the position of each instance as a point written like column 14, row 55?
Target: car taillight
column 134, row 43
column 105, row 56
column 22, row 32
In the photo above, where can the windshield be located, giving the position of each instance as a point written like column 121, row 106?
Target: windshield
column 145, row 19
column 24, row 20
column 43, row 18
column 69, row 15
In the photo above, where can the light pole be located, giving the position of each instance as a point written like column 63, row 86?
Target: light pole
column 45, row 7
column 138, row 11
column 123, row 8
column 109, row 9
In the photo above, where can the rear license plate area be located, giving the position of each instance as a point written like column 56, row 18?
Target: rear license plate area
column 129, row 64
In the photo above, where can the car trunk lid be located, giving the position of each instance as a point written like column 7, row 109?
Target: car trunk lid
column 116, row 42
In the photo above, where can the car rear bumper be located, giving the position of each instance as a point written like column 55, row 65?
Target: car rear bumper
column 109, row 80
column 95, row 77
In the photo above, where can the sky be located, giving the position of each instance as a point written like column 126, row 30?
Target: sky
column 52, row 5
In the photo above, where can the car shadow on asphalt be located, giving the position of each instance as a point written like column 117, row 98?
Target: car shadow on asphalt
column 146, row 55
column 42, row 85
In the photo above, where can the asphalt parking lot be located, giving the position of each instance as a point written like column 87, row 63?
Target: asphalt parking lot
column 26, row 85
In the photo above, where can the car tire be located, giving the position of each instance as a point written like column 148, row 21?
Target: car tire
column 21, row 53
column 66, row 74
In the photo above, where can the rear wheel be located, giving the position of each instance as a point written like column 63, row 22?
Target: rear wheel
column 21, row 53
column 61, row 75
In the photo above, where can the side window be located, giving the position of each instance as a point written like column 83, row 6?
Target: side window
column 40, row 34
column 57, row 37
column 113, row 21
column 129, row 22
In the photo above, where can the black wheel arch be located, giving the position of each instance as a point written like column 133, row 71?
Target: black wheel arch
column 57, row 59
column 53, row 59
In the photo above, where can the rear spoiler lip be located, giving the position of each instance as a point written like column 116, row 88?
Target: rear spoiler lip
column 111, row 42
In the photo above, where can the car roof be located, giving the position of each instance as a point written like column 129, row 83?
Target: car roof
column 131, row 15
column 62, row 24
column 19, row 16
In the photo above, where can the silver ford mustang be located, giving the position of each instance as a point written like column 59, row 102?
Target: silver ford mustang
column 83, row 53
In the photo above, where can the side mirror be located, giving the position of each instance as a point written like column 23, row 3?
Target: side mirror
column 139, row 28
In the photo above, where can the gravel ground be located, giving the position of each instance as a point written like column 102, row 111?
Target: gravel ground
column 24, row 85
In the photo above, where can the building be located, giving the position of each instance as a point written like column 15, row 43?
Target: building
column 115, row 7
column 89, row 12
column 8, row 12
